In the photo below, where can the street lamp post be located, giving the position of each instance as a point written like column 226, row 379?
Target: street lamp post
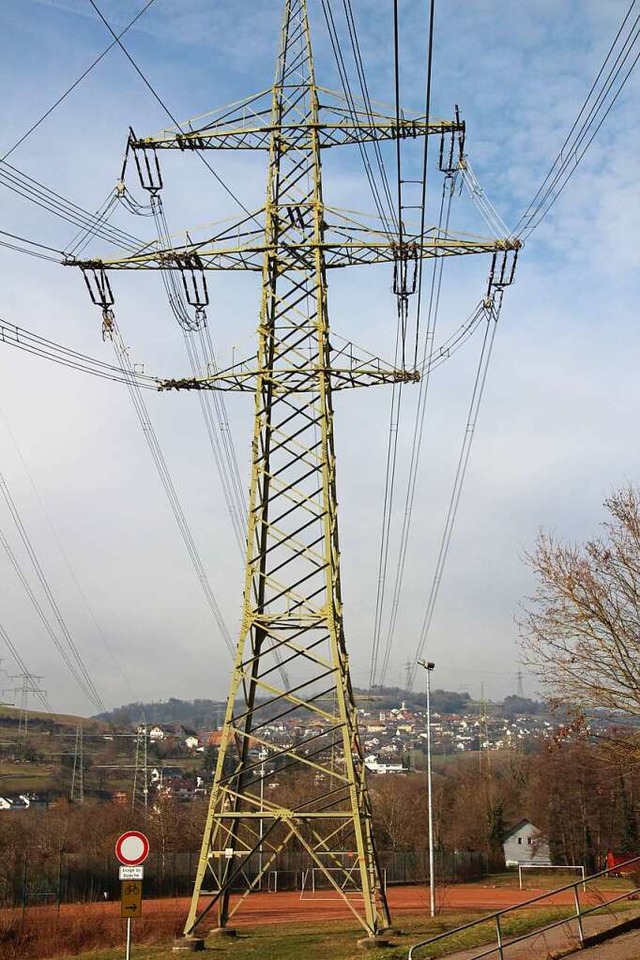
column 429, row 666
column 262, row 756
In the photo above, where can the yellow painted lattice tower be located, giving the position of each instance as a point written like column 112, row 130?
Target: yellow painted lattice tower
column 291, row 660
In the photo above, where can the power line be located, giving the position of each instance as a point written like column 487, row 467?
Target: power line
column 31, row 243
column 492, row 316
column 428, row 365
column 65, row 557
column 394, row 414
column 72, row 658
column 30, row 189
column 33, row 343
column 167, row 482
column 387, row 217
column 595, row 109
column 76, row 82
column 166, row 109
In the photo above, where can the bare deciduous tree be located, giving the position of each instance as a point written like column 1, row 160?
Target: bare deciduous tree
column 581, row 629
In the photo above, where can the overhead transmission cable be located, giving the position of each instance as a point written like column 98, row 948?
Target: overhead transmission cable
column 493, row 314
column 166, row 109
column 391, row 459
column 594, row 111
column 77, row 81
column 167, row 482
column 34, row 344
column 65, row 557
column 216, row 423
column 30, row 189
column 396, row 394
column 24, row 245
column 565, row 164
column 69, row 653
column 384, row 204
column 429, row 356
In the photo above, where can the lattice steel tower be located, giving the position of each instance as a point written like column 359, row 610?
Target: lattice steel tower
column 291, row 660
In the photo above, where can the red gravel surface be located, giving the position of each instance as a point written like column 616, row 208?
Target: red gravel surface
column 290, row 907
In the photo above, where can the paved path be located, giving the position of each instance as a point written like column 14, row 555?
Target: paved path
column 626, row 947
column 559, row 942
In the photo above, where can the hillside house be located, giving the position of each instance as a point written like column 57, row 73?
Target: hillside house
column 524, row 843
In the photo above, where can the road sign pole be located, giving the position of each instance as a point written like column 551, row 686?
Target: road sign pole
column 132, row 849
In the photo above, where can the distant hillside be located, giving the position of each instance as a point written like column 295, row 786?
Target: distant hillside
column 198, row 714
column 208, row 714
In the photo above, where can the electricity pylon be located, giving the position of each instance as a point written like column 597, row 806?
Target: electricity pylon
column 292, row 606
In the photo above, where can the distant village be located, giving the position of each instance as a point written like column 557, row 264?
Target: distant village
column 394, row 741
column 180, row 758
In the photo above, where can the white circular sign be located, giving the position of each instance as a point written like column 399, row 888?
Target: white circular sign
column 132, row 848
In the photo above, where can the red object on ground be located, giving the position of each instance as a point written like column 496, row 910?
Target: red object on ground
column 615, row 863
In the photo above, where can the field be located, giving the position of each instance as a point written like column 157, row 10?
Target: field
column 275, row 927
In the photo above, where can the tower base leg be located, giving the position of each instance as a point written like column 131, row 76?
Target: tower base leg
column 188, row 944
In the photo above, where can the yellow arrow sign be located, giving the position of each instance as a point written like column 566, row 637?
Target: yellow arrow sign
column 131, row 898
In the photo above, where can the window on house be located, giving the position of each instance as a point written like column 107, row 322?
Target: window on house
column 529, row 840
column 519, row 840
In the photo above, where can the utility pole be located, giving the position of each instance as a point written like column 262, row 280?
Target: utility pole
column 292, row 602
column 429, row 666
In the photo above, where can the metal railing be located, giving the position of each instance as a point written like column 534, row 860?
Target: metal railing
column 580, row 913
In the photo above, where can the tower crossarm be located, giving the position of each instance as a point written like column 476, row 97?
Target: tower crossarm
column 341, row 246
column 243, row 377
column 249, row 124
column 252, row 135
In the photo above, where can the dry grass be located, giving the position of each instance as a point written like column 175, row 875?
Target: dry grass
column 41, row 933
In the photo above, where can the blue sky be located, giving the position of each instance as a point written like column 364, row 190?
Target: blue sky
column 558, row 424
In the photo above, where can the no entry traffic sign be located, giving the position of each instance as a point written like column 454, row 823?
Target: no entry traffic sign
column 132, row 848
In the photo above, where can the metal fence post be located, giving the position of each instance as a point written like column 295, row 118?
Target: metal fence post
column 499, row 937
column 578, row 914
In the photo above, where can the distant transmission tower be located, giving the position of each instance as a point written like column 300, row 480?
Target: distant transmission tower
column 28, row 687
column 77, row 778
column 140, row 792
column 292, row 607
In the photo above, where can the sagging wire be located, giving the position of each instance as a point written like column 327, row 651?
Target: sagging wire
column 492, row 306
column 595, row 110
column 216, row 424
column 67, row 562
column 113, row 334
column 32, row 343
column 54, row 203
column 431, row 358
column 70, row 656
column 407, row 280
